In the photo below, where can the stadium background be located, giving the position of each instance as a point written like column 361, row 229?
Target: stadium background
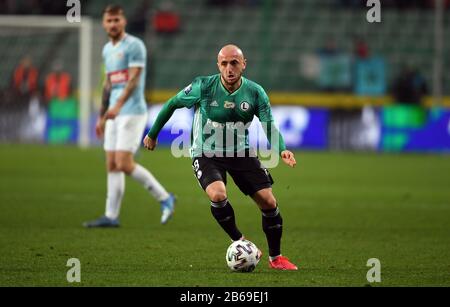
column 324, row 56
column 338, row 85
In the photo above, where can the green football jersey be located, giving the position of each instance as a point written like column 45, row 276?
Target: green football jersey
column 221, row 119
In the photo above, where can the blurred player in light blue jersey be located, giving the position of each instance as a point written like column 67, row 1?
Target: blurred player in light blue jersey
column 123, row 118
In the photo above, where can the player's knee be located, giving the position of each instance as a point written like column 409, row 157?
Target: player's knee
column 217, row 195
column 125, row 167
column 269, row 203
column 111, row 167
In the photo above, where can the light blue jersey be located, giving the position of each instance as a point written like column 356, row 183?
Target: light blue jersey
column 129, row 52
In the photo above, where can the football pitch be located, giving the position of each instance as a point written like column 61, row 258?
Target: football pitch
column 339, row 211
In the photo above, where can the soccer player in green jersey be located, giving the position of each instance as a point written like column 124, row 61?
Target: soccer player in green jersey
column 225, row 105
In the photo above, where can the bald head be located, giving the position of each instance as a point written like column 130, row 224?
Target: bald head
column 231, row 63
column 231, row 51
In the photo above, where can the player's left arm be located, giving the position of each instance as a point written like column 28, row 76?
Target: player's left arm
column 134, row 75
column 276, row 140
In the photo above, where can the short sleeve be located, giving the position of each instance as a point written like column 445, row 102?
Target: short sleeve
column 137, row 55
column 104, row 53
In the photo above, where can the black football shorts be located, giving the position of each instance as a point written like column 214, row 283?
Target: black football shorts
column 247, row 172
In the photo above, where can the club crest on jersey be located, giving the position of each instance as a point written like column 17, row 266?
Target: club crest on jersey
column 120, row 55
column 188, row 89
column 245, row 106
column 229, row 105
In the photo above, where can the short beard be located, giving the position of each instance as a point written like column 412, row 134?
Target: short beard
column 116, row 36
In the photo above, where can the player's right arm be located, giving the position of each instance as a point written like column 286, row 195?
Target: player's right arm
column 101, row 120
column 264, row 113
column 186, row 98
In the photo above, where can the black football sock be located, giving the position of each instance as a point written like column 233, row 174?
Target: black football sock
column 272, row 224
column 224, row 214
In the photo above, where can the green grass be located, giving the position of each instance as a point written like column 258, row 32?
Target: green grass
column 339, row 210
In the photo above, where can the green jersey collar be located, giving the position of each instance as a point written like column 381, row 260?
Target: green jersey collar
column 243, row 80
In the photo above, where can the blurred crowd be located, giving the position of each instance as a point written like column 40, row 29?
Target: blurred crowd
column 29, row 86
column 397, row 4
column 360, row 72
column 225, row 3
column 33, row 7
column 29, row 95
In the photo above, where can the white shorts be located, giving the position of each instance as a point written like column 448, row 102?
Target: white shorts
column 124, row 133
